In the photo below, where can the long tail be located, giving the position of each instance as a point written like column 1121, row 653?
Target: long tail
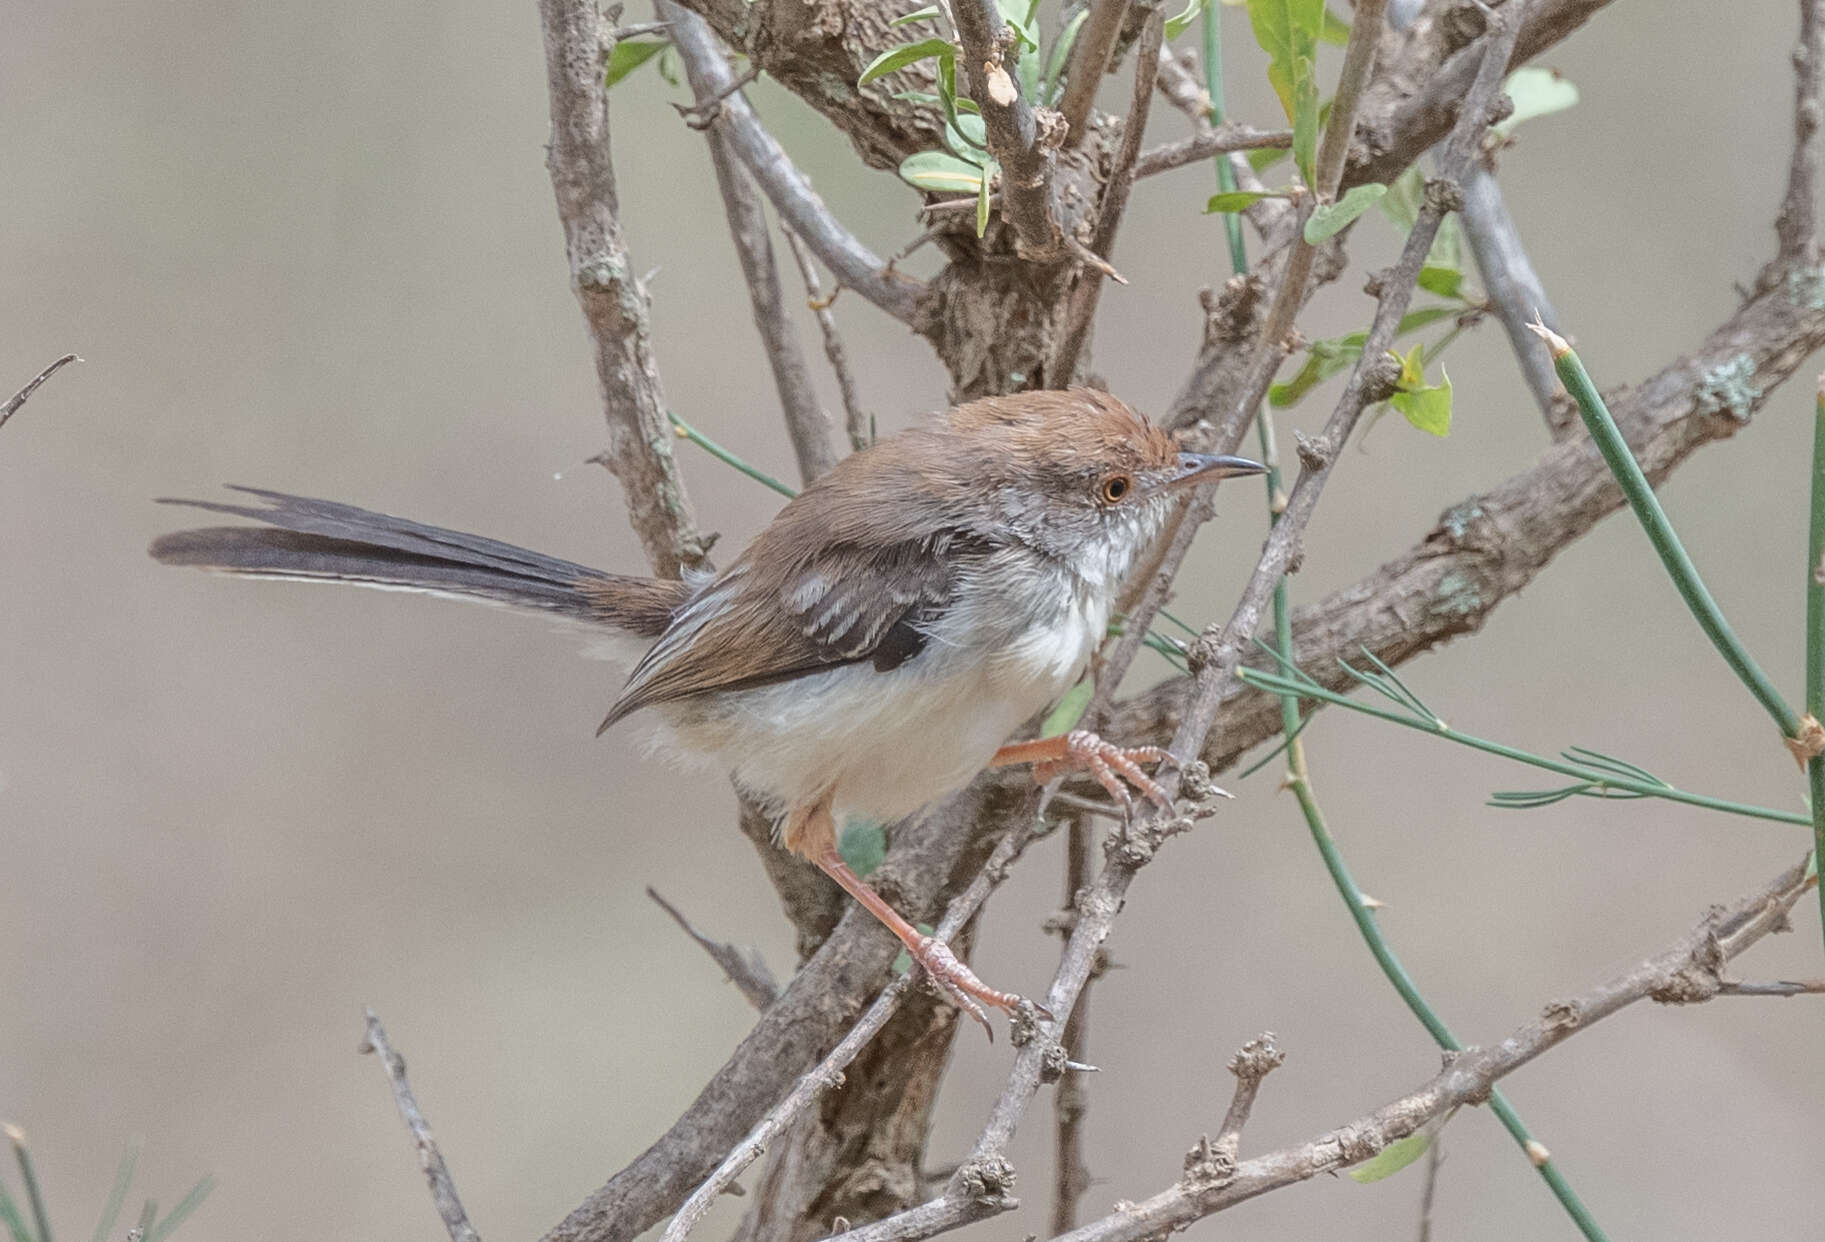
column 322, row 541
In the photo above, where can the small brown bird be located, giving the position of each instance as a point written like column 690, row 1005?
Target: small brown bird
column 876, row 644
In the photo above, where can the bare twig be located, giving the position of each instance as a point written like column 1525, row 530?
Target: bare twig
column 24, row 394
column 1071, row 1098
column 1684, row 973
column 1253, row 1062
column 1514, row 289
column 1209, row 141
column 807, row 425
column 1081, row 309
column 443, row 1190
column 1089, row 62
column 1435, row 1158
column 1016, row 138
column 746, row 968
column 613, row 298
column 828, row 1073
column 1778, row 987
column 1797, row 223
column 1515, row 293
column 798, row 205
column 856, row 421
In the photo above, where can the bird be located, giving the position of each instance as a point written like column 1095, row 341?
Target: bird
column 872, row 649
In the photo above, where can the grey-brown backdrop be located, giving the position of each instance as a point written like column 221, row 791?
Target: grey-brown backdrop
column 312, row 247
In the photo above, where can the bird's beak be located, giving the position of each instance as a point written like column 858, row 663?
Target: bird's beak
column 1196, row 468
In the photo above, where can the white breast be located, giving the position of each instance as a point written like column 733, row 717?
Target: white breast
column 889, row 742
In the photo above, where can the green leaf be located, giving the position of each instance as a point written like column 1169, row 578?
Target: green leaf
column 1392, row 1159
column 14, row 1221
column 185, row 1206
column 1235, row 200
column 1070, row 709
column 117, row 1196
column 1287, row 31
column 1401, row 203
column 1536, row 92
column 1263, row 158
column 1447, row 282
column 863, row 844
column 1335, row 30
column 1812, row 864
column 1326, row 358
column 982, row 197
column 1020, row 18
column 968, row 139
column 629, row 55
column 1330, row 218
column 1061, row 53
column 896, row 58
column 925, row 14
column 1307, row 121
column 941, row 171
column 1429, row 409
column 1176, row 26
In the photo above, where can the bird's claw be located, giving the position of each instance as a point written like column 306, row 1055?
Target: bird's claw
column 961, row 986
column 1110, row 765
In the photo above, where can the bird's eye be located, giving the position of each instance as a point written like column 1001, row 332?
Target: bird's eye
column 1114, row 489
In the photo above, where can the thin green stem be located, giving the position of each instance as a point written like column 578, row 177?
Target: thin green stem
column 688, row 432
column 1600, row 779
column 1653, row 518
column 1815, row 635
column 1298, row 776
column 34, row 1195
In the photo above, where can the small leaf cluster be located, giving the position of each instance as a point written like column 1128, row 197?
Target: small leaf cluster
column 966, row 166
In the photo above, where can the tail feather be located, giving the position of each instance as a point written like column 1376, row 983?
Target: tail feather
column 321, row 540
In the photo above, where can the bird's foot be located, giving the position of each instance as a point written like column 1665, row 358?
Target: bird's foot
column 961, row 986
column 1111, row 765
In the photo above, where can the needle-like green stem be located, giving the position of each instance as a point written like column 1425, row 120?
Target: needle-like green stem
column 1601, row 780
column 1815, row 634
column 1298, row 776
column 1653, row 519
column 688, row 432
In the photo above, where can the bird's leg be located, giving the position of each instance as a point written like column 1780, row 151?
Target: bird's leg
column 810, row 832
column 1081, row 750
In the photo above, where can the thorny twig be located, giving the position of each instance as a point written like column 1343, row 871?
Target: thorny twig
column 829, row 1072
column 437, row 1174
column 1684, row 973
column 611, row 294
column 1024, row 149
column 807, row 425
column 746, row 968
column 24, row 394
column 1081, row 309
column 857, row 422
column 798, row 205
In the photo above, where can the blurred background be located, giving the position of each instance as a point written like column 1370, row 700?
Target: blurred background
column 313, row 247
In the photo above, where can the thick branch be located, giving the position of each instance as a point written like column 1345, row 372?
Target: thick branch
column 443, row 1190
column 1415, row 100
column 1684, row 973
column 614, row 301
column 1024, row 149
column 780, row 180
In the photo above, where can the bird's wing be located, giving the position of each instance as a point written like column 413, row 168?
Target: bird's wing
column 844, row 604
